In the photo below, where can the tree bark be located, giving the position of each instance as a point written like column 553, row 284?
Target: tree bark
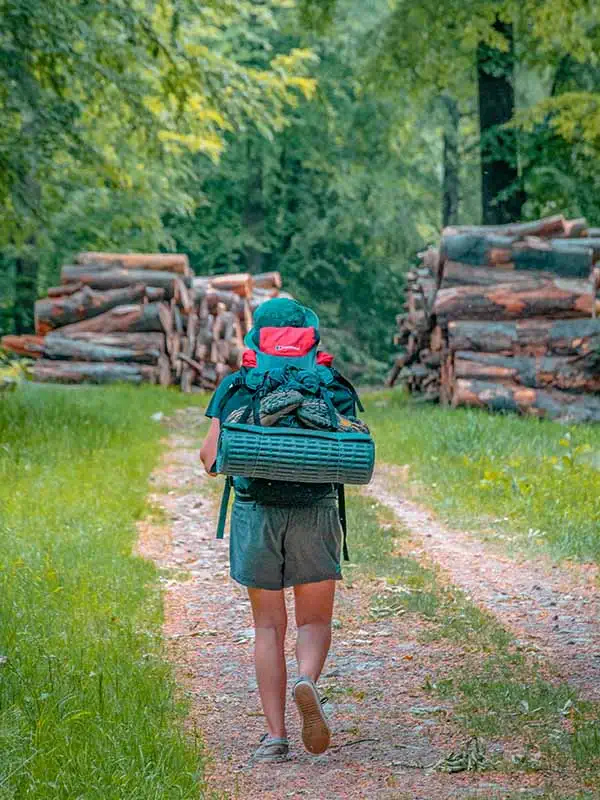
column 144, row 318
column 133, row 341
column 54, row 312
column 84, row 372
column 64, row 289
column 24, row 345
column 562, row 337
column 69, row 349
column 552, row 299
column 119, row 278
column 545, row 227
column 535, row 402
column 451, row 163
column 547, row 372
column 169, row 262
column 456, row 274
column 239, row 283
column 501, row 194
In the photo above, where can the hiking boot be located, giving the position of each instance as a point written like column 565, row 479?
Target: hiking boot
column 316, row 733
column 271, row 749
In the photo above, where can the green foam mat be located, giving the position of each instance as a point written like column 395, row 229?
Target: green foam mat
column 295, row 454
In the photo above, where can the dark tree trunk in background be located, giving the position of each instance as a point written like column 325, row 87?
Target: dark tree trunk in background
column 254, row 213
column 451, row 177
column 26, row 276
column 499, row 167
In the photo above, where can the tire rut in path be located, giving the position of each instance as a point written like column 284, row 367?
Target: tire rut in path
column 553, row 610
column 384, row 722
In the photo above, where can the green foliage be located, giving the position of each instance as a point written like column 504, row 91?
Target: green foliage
column 525, row 481
column 87, row 704
column 339, row 201
column 105, row 103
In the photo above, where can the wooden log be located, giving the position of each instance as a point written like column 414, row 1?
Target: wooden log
column 154, row 294
column 27, row 346
column 551, row 299
column 54, row 312
column 134, row 341
column 64, row 289
column 556, row 257
column 456, row 274
column 267, row 280
column 548, row 226
column 182, row 296
column 113, row 278
column 558, row 372
column 394, row 372
column 478, row 249
column 66, row 348
column 239, row 282
column 575, row 228
column 168, row 262
column 142, row 318
column 45, row 371
column 584, row 243
column 562, row 337
column 556, row 405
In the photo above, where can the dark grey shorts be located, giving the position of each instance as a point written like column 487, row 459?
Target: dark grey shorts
column 273, row 547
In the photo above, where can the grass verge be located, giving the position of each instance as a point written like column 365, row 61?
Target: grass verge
column 534, row 479
column 498, row 692
column 87, row 703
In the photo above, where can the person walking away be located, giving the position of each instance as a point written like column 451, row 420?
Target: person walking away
column 284, row 535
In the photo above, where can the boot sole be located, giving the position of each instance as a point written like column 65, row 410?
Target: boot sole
column 316, row 733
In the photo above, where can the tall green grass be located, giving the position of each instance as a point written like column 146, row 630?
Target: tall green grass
column 87, row 703
column 534, row 478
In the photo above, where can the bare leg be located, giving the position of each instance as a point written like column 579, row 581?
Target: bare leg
column 270, row 622
column 314, row 609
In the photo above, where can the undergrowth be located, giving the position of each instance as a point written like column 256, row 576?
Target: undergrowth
column 88, row 707
column 522, row 480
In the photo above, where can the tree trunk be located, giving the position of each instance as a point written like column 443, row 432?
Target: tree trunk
column 169, row 262
column 84, row 372
column 540, row 298
column 239, row 283
column 119, row 278
column 547, row 372
column 456, row 274
column 25, row 345
column 545, row 227
column 64, row 289
column 535, row 402
column 65, row 348
column 451, row 168
column 26, row 277
column 144, row 318
column 254, row 212
column 54, row 312
column 133, row 341
column 563, row 337
column 501, row 195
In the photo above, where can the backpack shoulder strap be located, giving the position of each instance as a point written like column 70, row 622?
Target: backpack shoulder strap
column 346, row 383
column 343, row 520
column 224, row 507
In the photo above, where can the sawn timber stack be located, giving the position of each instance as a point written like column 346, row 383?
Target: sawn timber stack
column 142, row 318
column 506, row 318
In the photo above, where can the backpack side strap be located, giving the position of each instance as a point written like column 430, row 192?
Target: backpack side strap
column 224, row 507
column 343, row 521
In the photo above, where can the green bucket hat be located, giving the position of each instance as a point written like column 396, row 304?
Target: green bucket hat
column 281, row 312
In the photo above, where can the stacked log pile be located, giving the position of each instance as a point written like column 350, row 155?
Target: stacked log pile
column 506, row 318
column 142, row 318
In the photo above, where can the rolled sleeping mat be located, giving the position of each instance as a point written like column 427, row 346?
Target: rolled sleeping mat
column 295, row 454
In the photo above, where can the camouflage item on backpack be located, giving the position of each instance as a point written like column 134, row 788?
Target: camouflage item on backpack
column 317, row 414
column 273, row 407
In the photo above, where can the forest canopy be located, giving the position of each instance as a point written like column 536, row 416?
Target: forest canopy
column 328, row 140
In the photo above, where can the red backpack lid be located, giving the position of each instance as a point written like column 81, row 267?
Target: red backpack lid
column 287, row 342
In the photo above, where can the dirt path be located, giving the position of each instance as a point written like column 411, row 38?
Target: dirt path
column 385, row 725
column 553, row 611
